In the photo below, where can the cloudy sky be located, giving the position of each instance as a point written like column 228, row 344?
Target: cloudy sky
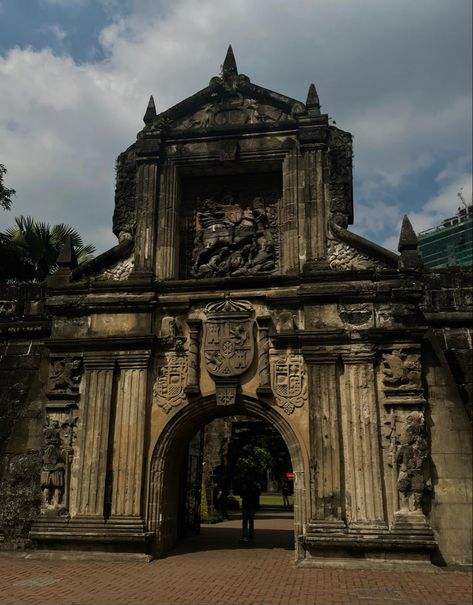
column 76, row 75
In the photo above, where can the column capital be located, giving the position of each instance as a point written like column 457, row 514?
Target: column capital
column 99, row 362
column 359, row 355
column 139, row 360
column 194, row 324
column 264, row 322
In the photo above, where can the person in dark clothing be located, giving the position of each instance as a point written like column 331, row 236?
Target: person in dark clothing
column 250, row 493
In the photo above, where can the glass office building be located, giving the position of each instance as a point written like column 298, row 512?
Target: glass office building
column 451, row 243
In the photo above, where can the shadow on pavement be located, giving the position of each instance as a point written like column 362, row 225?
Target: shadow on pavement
column 272, row 530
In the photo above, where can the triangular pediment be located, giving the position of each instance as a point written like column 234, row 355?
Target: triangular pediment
column 230, row 99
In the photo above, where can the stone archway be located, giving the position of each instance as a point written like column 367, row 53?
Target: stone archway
column 163, row 481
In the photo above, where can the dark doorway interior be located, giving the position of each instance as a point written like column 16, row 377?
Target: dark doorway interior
column 218, row 455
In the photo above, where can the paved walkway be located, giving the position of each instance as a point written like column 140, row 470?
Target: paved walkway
column 215, row 569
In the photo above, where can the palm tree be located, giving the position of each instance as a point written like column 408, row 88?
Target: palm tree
column 29, row 249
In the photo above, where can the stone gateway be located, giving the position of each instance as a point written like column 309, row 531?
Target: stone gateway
column 237, row 288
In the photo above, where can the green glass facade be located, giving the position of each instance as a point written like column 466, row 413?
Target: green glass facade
column 451, row 243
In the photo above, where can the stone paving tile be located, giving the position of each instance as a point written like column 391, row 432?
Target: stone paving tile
column 214, row 569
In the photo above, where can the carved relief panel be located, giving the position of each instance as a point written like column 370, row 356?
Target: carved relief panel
column 289, row 381
column 170, row 383
column 401, row 374
column 229, row 226
column 228, row 345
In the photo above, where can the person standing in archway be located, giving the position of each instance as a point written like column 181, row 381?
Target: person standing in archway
column 250, row 493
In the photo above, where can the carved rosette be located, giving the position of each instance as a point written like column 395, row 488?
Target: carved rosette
column 65, row 374
column 401, row 375
column 171, row 380
column 289, row 382
column 228, row 345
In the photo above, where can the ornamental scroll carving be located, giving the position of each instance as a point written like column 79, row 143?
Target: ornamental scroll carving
column 289, row 381
column 228, row 345
column 171, row 380
column 233, row 238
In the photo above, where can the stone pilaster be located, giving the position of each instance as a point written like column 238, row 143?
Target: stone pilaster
column 314, row 227
column 129, row 433
column 193, row 373
column 264, row 324
column 94, row 437
column 327, row 513
column 146, row 196
column 362, row 452
column 167, row 259
column 289, row 215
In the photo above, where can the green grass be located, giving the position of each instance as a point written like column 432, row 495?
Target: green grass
column 269, row 500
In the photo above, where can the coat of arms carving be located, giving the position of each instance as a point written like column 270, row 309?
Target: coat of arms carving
column 228, row 345
column 289, row 382
column 168, row 389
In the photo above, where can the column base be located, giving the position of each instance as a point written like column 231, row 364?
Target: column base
column 119, row 534
column 357, row 547
column 327, row 526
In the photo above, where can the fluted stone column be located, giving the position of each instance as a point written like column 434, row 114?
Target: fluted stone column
column 146, row 199
column 362, row 449
column 129, row 434
column 94, row 437
column 167, row 259
column 316, row 213
column 325, row 429
column 289, row 215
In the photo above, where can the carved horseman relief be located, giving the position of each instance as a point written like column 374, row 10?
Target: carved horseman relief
column 234, row 238
column 228, row 345
column 289, row 382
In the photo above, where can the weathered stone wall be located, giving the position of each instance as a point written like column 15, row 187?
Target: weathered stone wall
column 23, row 325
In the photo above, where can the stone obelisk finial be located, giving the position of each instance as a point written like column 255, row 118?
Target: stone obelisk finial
column 313, row 103
column 409, row 258
column 229, row 66
column 150, row 112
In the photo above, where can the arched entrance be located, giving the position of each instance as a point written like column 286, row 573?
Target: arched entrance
column 167, row 461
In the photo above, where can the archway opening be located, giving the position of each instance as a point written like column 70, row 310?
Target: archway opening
column 196, row 477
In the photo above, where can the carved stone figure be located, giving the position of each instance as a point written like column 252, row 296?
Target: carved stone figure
column 401, row 370
column 53, row 469
column 168, row 389
column 65, row 375
column 289, row 382
column 413, row 463
column 233, row 239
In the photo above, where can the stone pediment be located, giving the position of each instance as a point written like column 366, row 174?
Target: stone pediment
column 230, row 99
column 347, row 251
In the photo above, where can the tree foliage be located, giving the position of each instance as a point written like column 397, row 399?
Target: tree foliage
column 6, row 193
column 29, row 249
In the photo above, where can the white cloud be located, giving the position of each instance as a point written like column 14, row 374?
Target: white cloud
column 397, row 75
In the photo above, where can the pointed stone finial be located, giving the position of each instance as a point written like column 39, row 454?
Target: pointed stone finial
column 229, row 66
column 313, row 99
column 410, row 258
column 150, row 112
column 408, row 237
column 67, row 258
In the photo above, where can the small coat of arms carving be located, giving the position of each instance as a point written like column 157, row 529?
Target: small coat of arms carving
column 289, row 382
column 168, row 389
